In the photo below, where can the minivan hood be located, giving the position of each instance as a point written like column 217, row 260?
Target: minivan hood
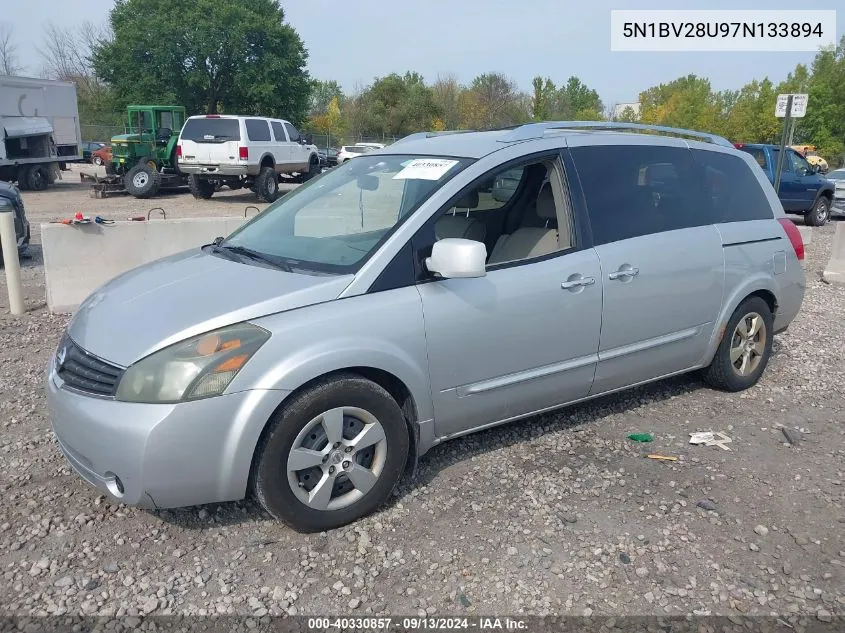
column 171, row 299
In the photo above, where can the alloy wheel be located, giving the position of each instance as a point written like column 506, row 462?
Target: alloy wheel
column 337, row 458
column 748, row 344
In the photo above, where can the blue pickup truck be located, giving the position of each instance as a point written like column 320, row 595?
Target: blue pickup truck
column 803, row 190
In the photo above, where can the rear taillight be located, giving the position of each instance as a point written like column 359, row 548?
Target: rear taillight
column 794, row 236
column 243, row 153
column 178, row 151
column 739, row 145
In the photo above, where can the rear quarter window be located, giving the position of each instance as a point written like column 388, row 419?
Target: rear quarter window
column 733, row 193
column 257, row 130
column 635, row 190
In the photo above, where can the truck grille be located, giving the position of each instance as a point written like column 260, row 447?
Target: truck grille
column 84, row 372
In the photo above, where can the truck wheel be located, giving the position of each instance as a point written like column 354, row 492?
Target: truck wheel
column 201, row 188
column 38, row 178
column 313, row 169
column 23, row 178
column 267, row 185
column 819, row 214
column 98, row 161
column 142, row 181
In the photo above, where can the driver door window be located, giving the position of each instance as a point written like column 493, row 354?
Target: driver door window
column 800, row 165
column 537, row 221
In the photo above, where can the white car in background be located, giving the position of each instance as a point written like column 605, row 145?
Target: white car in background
column 351, row 151
column 838, row 177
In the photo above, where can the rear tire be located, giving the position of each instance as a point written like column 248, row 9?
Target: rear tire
column 819, row 214
column 267, row 185
column 363, row 410
column 142, row 181
column 23, row 178
column 38, row 178
column 745, row 348
column 201, row 188
column 313, row 169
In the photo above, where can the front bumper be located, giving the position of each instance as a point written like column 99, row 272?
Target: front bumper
column 161, row 455
column 216, row 170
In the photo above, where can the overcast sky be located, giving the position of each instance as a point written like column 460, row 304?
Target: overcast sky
column 353, row 42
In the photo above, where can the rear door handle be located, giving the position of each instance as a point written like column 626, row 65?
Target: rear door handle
column 578, row 282
column 625, row 272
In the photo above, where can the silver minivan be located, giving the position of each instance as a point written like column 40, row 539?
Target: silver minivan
column 440, row 286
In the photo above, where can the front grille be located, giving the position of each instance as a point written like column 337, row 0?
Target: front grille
column 85, row 372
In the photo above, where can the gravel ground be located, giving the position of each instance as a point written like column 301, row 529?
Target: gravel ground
column 559, row 514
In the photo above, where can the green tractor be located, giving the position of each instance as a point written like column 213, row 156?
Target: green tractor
column 145, row 157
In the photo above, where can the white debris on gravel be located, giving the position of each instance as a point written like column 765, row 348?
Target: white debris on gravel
column 558, row 514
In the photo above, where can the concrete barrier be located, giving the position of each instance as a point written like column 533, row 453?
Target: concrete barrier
column 806, row 234
column 834, row 272
column 80, row 258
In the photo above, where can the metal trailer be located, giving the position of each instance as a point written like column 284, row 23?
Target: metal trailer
column 39, row 121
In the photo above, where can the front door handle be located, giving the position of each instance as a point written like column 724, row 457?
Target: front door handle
column 576, row 281
column 625, row 273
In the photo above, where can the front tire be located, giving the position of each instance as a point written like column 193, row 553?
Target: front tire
column 267, row 185
column 332, row 455
column 201, row 188
column 142, row 181
column 819, row 214
column 745, row 348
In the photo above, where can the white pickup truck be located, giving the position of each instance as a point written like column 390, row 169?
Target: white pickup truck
column 243, row 151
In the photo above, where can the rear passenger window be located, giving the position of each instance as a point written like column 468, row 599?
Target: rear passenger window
column 293, row 133
column 257, row 130
column 733, row 192
column 278, row 132
column 634, row 190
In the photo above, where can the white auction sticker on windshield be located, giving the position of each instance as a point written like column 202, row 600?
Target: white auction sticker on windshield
column 425, row 169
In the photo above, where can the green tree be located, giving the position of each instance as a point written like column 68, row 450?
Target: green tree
column 687, row 102
column 492, row 101
column 576, row 101
column 824, row 125
column 322, row 94
column 234, row 56
column 397, row 105
column 447, row 94
column 543, row 99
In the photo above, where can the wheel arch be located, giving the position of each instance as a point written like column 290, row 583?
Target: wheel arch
column 267, row 160
column 390, row 382
column 756, row 286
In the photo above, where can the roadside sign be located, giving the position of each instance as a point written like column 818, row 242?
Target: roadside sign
column 799, row 105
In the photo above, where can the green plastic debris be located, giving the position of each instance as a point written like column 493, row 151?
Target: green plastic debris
column 641, row 437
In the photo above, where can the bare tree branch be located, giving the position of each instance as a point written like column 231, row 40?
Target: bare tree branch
column 8, row 51
column 68, row 53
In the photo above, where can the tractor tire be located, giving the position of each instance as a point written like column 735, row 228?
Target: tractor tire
column 142, row 181
column 201, row 188
column 267, row 185
column 38, row 178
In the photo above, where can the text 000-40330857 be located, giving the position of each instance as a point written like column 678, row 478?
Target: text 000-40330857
column 734, row 31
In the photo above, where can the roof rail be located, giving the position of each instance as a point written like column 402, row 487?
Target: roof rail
column 418, row 136
column 537, row 130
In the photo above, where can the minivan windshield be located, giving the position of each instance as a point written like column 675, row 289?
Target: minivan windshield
column 336, row 221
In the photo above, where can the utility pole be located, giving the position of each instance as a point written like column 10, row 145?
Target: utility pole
column 787, row 124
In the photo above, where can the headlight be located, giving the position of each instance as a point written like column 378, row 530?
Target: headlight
column 198, row 367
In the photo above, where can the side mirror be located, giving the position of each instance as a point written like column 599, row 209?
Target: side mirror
column 455, row 257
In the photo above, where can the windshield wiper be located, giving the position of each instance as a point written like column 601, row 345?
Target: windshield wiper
column 254, row 255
